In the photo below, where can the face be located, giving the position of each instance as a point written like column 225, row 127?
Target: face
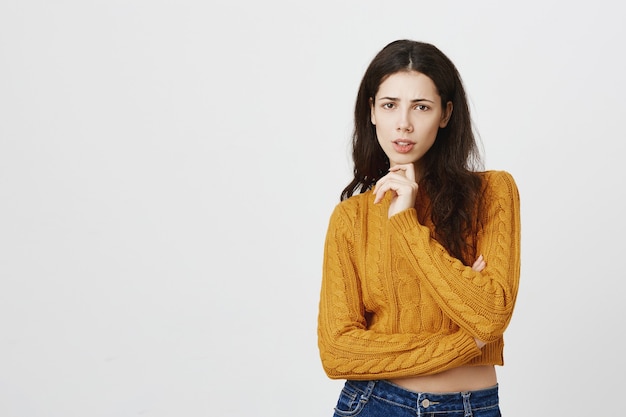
column 407, row 113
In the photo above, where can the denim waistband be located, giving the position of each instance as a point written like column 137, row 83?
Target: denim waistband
column 425, row 401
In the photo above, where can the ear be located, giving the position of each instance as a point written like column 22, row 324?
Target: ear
column 372, row 115
column 445, row 117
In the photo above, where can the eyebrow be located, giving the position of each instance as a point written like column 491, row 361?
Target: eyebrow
column 416, row 100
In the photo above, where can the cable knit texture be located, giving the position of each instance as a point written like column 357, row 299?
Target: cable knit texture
column 394, row 303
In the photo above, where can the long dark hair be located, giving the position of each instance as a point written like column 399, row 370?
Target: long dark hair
column 450, row 177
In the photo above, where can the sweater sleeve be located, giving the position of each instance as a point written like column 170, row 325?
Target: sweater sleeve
column 479, row 302
column 348, row 349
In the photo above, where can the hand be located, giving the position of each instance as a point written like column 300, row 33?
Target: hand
column 480, row 343
column 479, row 265
column 401, row 181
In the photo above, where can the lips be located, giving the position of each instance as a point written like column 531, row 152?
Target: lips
column 403, row 145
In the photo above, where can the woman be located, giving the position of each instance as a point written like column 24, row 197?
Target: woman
column 422, row 254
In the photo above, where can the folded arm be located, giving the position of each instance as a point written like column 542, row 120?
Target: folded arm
column 481, row 302
column 348, row 349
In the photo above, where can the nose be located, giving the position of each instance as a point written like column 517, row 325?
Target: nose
column 404, row 123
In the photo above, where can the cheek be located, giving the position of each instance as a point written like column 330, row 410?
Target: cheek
column 383, row 124
column 432, row 128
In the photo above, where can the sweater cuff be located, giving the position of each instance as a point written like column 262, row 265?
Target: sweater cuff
column 466, row 346
column 405, row 220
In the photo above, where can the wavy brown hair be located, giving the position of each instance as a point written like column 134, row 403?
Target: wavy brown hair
column 450, row 168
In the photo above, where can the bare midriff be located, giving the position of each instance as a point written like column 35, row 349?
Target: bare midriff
column 464, row 378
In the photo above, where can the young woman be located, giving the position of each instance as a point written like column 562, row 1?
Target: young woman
column 422, row 254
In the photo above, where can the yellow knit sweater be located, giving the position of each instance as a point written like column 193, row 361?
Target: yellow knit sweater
column 394, row 303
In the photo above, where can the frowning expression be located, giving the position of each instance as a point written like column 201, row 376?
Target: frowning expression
column 407, row 113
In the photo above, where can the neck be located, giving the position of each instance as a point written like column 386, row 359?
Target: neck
column 419, row 171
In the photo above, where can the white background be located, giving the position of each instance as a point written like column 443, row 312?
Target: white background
column 167, row 170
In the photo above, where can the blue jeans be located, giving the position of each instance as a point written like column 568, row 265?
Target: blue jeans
column 382, row 398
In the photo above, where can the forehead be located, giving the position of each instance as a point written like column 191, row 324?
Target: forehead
column 407, row 84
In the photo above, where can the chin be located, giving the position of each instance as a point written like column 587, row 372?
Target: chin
column 403, row 160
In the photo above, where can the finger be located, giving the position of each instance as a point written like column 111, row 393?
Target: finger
column 394, row 183
column 378, row 195
column 398, row 178
column 380, row 189
column 479, row 264
column 376, row 190
column 388, row 183
column 407, row 170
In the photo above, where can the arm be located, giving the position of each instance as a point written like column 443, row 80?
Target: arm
column 348, row 349
column 481, row 302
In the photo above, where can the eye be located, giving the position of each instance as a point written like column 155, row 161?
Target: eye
column 388, row 106
column 421, row 107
